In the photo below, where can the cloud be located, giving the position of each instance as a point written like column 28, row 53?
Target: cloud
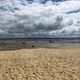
column 41, row 20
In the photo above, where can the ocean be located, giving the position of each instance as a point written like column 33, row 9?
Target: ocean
column 43, row 42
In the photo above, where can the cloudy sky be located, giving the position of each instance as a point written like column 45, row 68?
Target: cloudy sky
column 39, row 18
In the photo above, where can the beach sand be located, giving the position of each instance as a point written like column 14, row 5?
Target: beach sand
column 40, row 64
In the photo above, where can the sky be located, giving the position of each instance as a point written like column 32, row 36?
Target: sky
column 22, row 19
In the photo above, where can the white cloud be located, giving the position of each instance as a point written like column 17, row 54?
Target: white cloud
column 47, row 20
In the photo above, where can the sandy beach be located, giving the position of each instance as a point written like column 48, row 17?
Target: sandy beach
column 40, row 64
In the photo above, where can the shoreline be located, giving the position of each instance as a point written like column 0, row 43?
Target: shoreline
column 17, row 46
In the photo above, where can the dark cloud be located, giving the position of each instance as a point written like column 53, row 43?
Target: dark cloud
column 40, row 21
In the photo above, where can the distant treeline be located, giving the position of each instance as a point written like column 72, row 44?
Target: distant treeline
column 63, row 38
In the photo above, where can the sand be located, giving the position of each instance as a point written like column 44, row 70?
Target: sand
column 40, row 64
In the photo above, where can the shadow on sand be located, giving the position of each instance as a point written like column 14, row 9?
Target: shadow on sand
column 11, row 47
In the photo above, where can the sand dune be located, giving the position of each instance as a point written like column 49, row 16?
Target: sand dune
column 40, row 64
